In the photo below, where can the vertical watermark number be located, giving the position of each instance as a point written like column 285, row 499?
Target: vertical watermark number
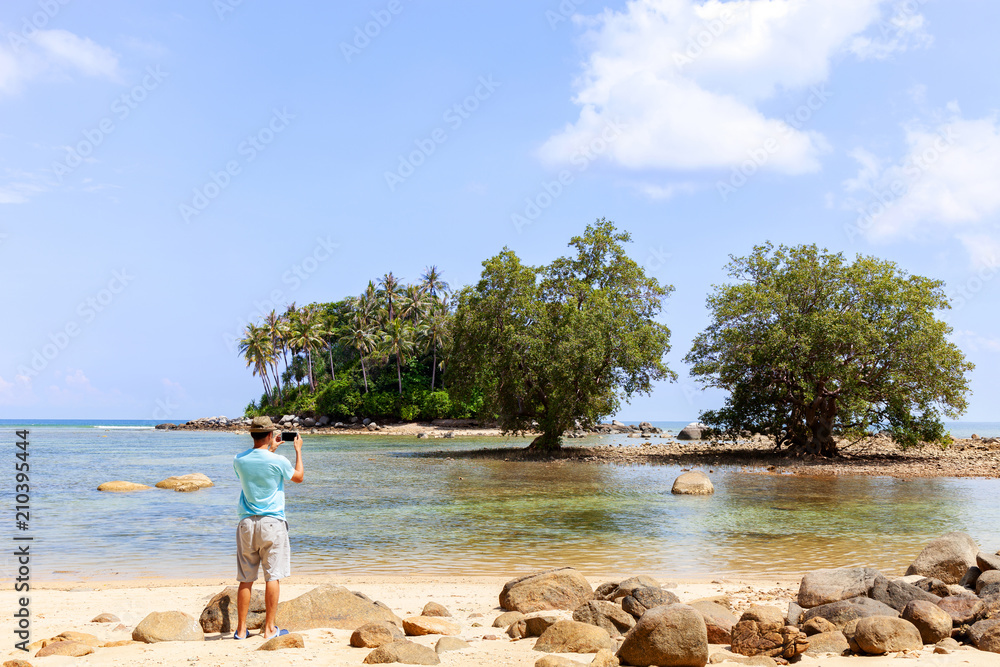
column 22, row 541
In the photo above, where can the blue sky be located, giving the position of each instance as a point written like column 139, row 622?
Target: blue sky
column 169, row 169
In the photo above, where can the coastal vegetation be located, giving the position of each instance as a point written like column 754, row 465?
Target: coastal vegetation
column 550, row 347
column 810, row 346
column 378, row 354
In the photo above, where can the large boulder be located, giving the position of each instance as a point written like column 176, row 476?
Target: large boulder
column 988, row 583
column 947, row 558
column 185, row 482
column 719, row 621
column 672, row 635
column 694, row 483
column 932, row 622
column 220, row 615
column 987, row 562
column 373, row 635
column 828, row 642
column 642, row 599
column 963, row 609
column 416, row 626
column 605, row 615
column 985, row 635
column 693, row 431
column 573, row 637
column 404, row 651
column 877, row 635
column 564, row 588
column 330, row 606
column 631, row 584
column 826, row 586
column 168, row 626
column 841, row 612
column 122, row 487
column 762, row 631
column 897, row 594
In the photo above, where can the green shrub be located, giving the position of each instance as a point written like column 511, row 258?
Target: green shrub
column 380, row 404
column 409, row 412
column 436, row 405
column 339, row 399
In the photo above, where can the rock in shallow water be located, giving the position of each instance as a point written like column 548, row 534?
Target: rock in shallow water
column 694, row 483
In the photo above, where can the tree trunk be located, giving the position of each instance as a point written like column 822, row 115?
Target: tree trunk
column 333, row 376
column 399, row 374
column 364, row 372
column 550, row 440
column 434, row 365
column 309, row 356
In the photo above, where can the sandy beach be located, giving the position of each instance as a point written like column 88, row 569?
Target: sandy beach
column 473, row 602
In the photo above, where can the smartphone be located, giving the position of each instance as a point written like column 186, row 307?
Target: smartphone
column 289, row 436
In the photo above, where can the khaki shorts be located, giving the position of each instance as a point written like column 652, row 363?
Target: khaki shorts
column 262, row 539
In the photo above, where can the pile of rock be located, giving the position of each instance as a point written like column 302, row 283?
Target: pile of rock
column 642, row 429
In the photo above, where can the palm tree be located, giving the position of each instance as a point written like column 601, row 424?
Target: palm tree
column 360, row 335
column 306, row 335
column 389, row 288
column 432, row 283
column 272, row 327
column 433, row 331
column 413, row 304
column 257, row 350
column 397, row 339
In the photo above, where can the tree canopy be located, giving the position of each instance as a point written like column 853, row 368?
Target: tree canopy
column 810, row 345
column 552, row 345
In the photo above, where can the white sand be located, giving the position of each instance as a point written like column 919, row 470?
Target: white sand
column 57, row 607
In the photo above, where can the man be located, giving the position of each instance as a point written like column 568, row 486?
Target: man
column 262, row 534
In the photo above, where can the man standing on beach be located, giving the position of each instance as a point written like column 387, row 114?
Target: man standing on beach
column 262, row 534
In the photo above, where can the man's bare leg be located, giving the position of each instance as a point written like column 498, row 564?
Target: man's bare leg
column 272, row 591
column 243, row 607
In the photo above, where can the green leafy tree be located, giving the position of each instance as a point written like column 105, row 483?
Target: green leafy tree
column 810, row 345
column 548, row 346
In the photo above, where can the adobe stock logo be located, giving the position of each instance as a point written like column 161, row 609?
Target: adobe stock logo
column 87, row 310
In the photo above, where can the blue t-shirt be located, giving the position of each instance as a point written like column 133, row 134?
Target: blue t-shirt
column 262, row 476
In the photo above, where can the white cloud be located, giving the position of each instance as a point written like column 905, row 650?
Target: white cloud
column 685, row 79
column 664, row 192
column 80, row 53
column 54, row 52
column 904, row 30
column 945, row 185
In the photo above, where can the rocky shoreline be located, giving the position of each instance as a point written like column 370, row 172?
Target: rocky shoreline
column 945, row 610
column 878, row 456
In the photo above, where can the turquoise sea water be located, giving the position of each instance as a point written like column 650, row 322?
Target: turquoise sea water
column 369, row 506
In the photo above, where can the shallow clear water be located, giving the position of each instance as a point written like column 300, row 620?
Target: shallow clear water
column 369, row 506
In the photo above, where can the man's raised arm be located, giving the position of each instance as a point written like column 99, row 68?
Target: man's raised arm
column 300, row 472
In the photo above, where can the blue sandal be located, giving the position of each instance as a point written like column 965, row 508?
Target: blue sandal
column 278, row 633
column 236, row 636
